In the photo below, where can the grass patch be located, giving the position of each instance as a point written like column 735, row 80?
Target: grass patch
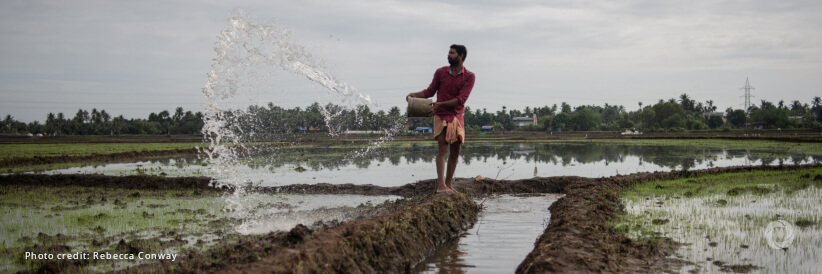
column 84, row 149
column 730, row 184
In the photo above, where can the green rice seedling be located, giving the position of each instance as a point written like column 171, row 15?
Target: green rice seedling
column 727, row 219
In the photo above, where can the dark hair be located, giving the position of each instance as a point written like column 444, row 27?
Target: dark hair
column 461, row 50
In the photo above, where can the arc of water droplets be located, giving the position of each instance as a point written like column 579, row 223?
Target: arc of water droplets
column 245, row 50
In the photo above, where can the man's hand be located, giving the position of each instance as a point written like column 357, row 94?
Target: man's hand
column 415, row 95
column 434, row 107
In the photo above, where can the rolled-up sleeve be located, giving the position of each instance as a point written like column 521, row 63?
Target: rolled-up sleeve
column 462, row 96
column 434, row 86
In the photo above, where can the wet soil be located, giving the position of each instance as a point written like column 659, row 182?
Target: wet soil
column 393, row 242
column 403, row 235
column 93, row 180
column 579, row 239
column 474, row 186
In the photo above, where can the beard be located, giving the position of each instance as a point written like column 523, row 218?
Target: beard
column 452, row 61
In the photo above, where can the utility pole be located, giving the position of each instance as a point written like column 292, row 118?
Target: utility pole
column 747, row 88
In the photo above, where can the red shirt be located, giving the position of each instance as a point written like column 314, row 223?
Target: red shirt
column 448, row 87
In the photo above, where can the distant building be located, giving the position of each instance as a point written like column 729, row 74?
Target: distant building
column 424, row 129
column 308, row 129
column 756, row 125
column 487, row 128
column 525, row 121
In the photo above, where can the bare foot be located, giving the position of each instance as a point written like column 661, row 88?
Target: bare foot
column 450, row 186
column 445, row 191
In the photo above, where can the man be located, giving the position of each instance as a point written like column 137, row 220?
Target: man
column 452, row 84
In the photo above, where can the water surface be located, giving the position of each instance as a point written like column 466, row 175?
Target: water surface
column 505, row 233
column 401, row 164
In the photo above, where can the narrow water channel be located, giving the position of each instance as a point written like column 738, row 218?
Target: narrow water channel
column 505, row 233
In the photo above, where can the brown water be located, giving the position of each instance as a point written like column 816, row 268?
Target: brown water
column 505, row 233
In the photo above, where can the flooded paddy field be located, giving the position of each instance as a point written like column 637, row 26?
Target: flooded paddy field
column 762, row 221
column 323, row 186
column 410, row 161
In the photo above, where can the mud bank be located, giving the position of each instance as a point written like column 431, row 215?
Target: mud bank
column 579, row 238
column 128, row 182
column 95, row 158
column 473, row 186
column 393, row 242
column 408, row 232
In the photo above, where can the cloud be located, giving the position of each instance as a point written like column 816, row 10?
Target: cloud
column 599, row 51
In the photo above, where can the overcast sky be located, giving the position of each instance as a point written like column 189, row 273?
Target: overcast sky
column 138, row 57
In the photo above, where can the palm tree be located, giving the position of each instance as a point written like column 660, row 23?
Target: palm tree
column 60, row 119
column 105, row 117
column 50, row 122
column 797, row 107
column 710, row 107
column 686, row 101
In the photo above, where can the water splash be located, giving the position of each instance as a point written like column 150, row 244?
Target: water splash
column 250, row 54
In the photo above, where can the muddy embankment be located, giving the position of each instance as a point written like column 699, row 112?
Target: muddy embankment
column 393, row 242
column 94, row 180
column 94, row 158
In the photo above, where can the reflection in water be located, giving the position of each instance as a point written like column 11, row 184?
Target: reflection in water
column 406, row 163
column 564, row 154
column 504, row 234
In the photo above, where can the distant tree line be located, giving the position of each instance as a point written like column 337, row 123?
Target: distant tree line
column 673, row 115
column 102, row 123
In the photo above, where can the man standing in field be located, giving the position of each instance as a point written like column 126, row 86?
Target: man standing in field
column 452, row 84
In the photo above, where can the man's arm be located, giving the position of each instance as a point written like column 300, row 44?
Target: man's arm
column 465, row 91
column 450, row 103
column 431, row 90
